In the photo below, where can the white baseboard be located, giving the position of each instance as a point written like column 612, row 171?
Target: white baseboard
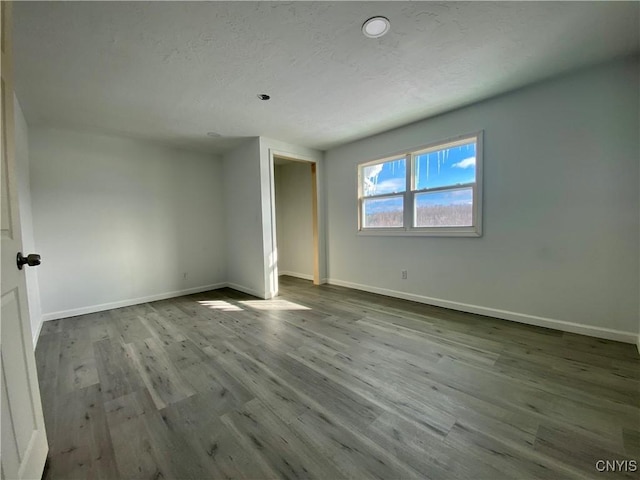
column 599, row 332
column 304, row 276
column 36, row 334
column 243, row 289
column 127, row 303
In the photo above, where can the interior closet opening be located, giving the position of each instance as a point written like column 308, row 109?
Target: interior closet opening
column 296, row 218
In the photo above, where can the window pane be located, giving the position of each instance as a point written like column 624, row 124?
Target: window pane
column 447, row 167
column 451, row 208
column 383, row 212
column 387, row 177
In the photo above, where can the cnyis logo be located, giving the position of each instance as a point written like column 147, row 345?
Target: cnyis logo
column 617, row 466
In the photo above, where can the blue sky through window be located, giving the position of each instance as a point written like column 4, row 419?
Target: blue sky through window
column 442, row 168
column 448, row 167
column 388, row 177
column 448, row 197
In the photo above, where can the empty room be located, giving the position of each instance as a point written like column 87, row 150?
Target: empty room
column 282, row 240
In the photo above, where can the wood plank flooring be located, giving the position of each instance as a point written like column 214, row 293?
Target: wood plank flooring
column 326, row 382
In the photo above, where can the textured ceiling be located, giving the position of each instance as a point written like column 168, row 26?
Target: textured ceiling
column 172, row 71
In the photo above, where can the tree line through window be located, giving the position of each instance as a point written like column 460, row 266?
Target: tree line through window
column 435, row 189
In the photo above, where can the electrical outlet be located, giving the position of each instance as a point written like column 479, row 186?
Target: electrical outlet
column 404, row 274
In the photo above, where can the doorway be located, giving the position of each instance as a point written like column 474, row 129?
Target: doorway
column 295, row 217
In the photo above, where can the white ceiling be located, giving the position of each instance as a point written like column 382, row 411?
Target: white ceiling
column 172, row 71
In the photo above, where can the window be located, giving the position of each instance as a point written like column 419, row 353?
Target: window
column 434, row 190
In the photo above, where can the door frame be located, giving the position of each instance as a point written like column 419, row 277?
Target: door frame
column 319, row 261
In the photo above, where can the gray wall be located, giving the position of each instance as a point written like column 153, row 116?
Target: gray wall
column 244, row 222
column 120, row 221
column 561, row 213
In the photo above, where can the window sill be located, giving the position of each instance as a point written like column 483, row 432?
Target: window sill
column 439, row 232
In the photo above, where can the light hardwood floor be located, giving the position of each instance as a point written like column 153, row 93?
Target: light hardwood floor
column 327, row 382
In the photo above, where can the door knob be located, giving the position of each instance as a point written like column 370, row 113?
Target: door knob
column 33, row 259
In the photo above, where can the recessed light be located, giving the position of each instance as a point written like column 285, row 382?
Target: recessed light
column 263, row 96
column 376, row 27
column 213, row 134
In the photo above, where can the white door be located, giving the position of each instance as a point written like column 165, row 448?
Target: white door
column 23, row 447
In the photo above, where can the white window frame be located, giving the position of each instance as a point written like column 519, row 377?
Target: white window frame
column 475, row 230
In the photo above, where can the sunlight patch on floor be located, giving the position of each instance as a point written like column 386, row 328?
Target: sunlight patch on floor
column 220, row 305
column 273, row 305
